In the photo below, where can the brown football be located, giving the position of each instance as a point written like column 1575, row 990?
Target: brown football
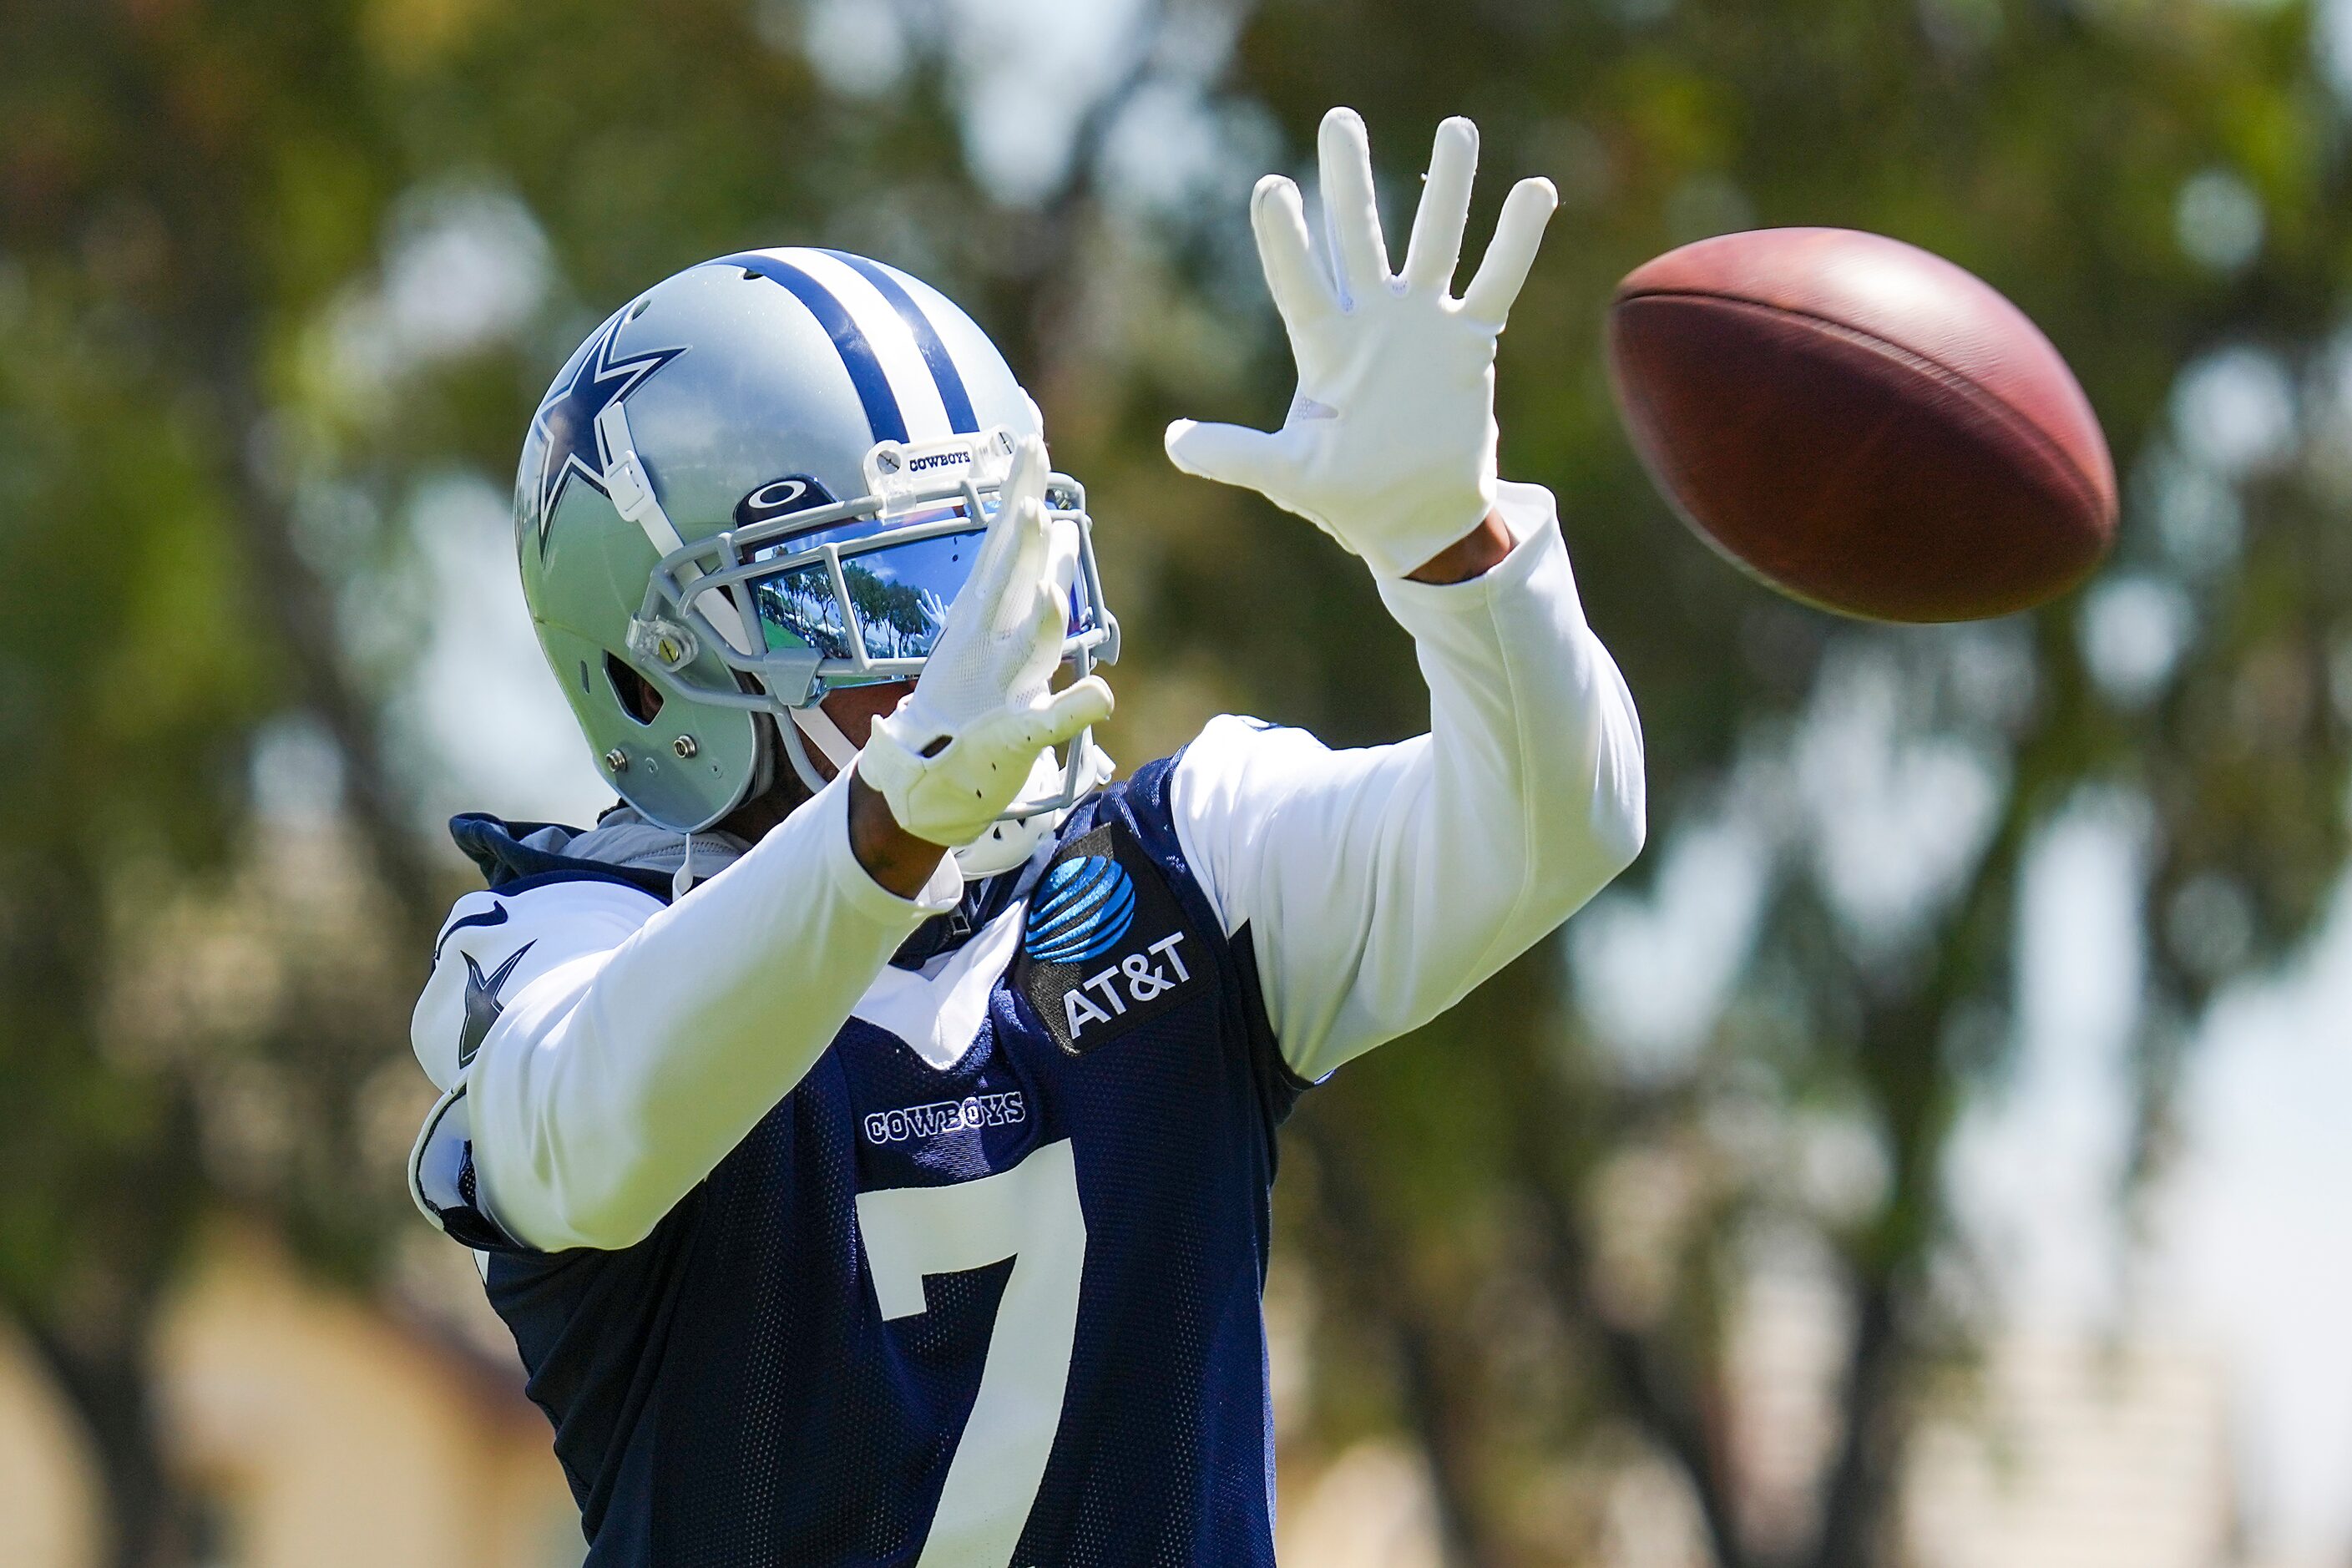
column 1863, row 426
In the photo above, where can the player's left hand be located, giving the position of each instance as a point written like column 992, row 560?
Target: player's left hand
column 960, row 747
column 1390, row 444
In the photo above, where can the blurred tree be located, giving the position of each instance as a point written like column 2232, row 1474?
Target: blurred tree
column 235, row 244
column 265, row 267
column 178, row 181
column 2160, row 184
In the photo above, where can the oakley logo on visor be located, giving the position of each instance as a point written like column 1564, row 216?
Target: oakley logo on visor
column 779, row 497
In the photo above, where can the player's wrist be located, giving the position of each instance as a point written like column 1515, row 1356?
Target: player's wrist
column 898, row 861
column 1474, row 554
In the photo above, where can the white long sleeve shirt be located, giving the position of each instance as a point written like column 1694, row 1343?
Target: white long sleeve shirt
column 610, row 1051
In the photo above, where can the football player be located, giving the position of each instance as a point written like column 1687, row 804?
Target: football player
column 866, row 1129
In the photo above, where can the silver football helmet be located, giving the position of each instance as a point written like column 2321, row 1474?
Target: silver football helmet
column 766, row 479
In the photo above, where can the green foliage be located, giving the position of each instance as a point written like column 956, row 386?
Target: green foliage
column 1524, row 1241
column 2049, row 149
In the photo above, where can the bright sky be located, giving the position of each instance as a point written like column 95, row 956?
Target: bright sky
column 2247, row 1249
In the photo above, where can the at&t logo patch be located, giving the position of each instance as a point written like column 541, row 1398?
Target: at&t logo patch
column 1105, row 946
column 1133, row 980
column 1081, row 911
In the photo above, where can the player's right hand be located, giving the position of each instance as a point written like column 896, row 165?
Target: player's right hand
column 1390, row 444
column 961, row 746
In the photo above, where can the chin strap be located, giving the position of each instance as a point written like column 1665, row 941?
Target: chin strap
column 1007, row 843
column 819, row 727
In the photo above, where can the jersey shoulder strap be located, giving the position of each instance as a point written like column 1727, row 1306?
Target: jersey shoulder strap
column 492, row 946
column 515, row 855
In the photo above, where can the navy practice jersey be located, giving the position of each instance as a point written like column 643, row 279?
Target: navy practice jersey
column 1004, row 1311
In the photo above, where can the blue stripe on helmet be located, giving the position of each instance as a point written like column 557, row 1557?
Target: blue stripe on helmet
column 952, row 396
column 882, row 414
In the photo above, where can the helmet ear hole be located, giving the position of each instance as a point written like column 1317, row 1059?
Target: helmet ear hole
column 639, row 698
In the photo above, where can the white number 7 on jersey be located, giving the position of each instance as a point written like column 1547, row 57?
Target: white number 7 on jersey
column 1029, row 1214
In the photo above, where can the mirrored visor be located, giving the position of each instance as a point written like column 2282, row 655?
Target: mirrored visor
column 897, row 591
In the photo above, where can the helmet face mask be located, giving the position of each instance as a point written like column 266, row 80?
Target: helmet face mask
column 828, row 595
column 802, row 510
column 855, row 592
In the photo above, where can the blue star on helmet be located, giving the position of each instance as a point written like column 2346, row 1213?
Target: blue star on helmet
column 566, row 422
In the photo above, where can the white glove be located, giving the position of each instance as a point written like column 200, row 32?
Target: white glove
column 1389, row 445
column 983, row 689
